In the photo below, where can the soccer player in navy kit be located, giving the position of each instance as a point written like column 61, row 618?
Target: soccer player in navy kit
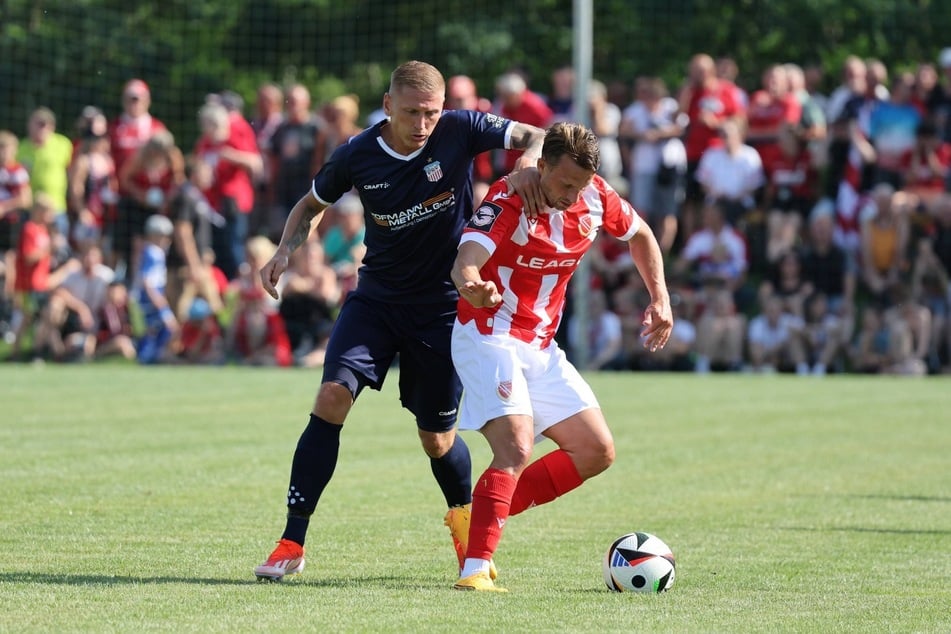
column 412, row 172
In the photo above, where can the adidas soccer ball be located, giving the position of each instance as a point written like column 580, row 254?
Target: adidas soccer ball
column 639, row 562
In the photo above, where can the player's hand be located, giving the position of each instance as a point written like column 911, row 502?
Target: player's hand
column 658, row 323
column 481, row 294
column 271, row 273
column 526, row 182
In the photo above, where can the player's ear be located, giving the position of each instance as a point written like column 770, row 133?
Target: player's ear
column 386, row 103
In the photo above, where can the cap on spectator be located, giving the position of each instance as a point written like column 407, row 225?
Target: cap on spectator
column 944, row 58
column 157, row 225
column 825, row 208
column 199, row 309
column 136, row 87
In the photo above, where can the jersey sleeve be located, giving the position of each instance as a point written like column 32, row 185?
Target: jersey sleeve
column 495, row 219
column 489, row 131
column 334, row 180
column 620, row 219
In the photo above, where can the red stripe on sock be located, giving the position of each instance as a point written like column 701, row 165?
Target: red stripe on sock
column 547, row 478
column 491, row 498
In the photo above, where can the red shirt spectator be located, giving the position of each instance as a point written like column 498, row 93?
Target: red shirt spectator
column 259, row 336
column 708, row 102
column 33, row 255
column 233, row 155
column 518, row 103
column 131, row 129
column 15, row 190
column 770, row 110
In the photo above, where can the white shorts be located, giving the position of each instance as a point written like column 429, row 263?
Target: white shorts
column 502, row 376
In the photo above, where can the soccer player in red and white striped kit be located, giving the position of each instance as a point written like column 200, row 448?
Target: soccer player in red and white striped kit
column 512, row 272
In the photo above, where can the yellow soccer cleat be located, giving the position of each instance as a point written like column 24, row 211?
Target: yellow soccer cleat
column 458, row 519
column 480, row 582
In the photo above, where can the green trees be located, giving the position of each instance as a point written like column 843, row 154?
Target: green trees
column 67, row 54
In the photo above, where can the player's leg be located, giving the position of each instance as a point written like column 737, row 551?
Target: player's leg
column 359, row 353
column 511, row 439
column 491, row 369
column 585, row 445
column 431, row 390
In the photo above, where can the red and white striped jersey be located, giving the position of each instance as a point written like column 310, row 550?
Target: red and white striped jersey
column 532, row 261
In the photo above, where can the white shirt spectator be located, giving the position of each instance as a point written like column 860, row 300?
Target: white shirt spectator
column 731, row 176
column 773, row 335
column 90, row 288
column 702, row 248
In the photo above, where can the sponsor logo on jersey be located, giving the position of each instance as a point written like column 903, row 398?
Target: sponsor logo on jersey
column 495, row 120
column 376, row 186
column 505, row 390
column 417, row 213
column 546, row 263
column 433, row 171
column 484, row 217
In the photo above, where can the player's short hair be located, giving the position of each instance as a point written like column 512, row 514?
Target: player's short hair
column 418, row 76
column 574, row 141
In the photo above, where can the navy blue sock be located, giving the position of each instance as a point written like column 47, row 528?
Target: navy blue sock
column 314, row 462
column 454, row 473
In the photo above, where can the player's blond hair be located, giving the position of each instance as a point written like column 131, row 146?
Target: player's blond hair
column 418, row 76
column 574, row 141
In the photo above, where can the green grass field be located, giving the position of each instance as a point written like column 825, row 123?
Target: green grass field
column 139, row 499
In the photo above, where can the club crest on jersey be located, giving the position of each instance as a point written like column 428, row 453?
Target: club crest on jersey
column 585, row 225
column 484, row 217
column 505, row 390
column 433, row 171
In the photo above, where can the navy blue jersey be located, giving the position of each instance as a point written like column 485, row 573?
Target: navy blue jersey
column 415, row 206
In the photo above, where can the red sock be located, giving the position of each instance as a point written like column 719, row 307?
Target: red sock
column 490, row 508
column 545, row 479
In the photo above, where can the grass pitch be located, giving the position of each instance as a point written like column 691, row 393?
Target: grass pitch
column 139, row 499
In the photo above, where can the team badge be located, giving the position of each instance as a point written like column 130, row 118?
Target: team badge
column 484, row 217
column 505, row 390
column 585, row 225
column 433, row 171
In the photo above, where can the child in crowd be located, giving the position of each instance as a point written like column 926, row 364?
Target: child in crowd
column 15, row 197
column 160, row 322
column 257, row 335
column 33, row 261
column 201, row 341
column 115, row 326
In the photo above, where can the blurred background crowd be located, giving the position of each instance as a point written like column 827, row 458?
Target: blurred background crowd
column 805, row 219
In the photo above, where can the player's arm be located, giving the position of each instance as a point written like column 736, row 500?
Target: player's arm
column 658, row 318
column 467, row 277
column 301, row 222
column 524, row 179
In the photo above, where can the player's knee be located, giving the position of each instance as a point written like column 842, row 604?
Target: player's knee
column 514, row 457
column 595, row 457
column 437, row 444
column 333, row 402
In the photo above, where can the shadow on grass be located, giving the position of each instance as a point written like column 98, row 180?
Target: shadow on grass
column 883, row 496
column 386, row 583
column 113, row 580
column 864, row 529
column 900, row 498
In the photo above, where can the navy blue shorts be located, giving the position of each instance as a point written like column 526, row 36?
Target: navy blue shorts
column 366, row 339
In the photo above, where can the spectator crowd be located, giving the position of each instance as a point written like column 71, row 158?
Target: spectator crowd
column 806, row 226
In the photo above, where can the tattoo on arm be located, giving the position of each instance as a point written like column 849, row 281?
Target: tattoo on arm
column 302, row 230
column 526, row 136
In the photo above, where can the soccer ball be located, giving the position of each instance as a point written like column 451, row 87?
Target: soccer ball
column 639, row 562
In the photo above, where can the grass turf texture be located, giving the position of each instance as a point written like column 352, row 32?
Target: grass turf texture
column 139, row 499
